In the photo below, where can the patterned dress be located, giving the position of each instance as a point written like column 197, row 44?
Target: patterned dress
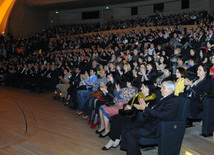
column 122, row 97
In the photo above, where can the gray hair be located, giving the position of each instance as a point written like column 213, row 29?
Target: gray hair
column 170, row 84
column 135, row 50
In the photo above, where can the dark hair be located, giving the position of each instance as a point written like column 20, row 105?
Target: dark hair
column 153, row 65
column 120, row 65
column 112, row 76
column 78, row 67
column 193, row 58
column 169, row 68
column 133, row 81
column 205, row 68
column 67, row 69
column 165, row 61
column 150, row 86
column 95, row 71
column 192, row 50
column 152, row 58
column 131, row 54
column 204, row 52
column 181, row 58
column 166, row 53
column 182, row 71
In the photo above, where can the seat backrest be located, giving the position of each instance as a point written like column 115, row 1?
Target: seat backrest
column 183, row 108
column 158, row 94
column 212, row 81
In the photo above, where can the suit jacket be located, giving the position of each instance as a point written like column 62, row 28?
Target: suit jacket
column 165, row 110
column 75, row 80
column 201, row 38
column 197, row 90
column 152, row 76
column 117, row 53
column 212, row 38
column 131, row 63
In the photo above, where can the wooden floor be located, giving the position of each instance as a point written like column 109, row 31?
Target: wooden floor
column 32, row 123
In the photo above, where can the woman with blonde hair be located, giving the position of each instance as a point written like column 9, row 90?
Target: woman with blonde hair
column 127, row 73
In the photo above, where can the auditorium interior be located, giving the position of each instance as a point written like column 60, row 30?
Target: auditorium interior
column 57, row 55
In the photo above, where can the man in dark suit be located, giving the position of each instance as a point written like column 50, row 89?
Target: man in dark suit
column 201, row 38
column 88, row 64
column 72, row 90
column 117, row 51
column 165, row 110
column 130, row 61
column 211, row 35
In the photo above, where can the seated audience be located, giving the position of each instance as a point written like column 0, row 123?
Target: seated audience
column 167, row 75
column 197, row 87
column 146, row 93
column 74, row 83
column 191, row 68
column 212, row 66
column 151, row 73
column 85, row 99
column 141, row 73
column 122, row 97
column 165, row 110
column 109, row 92
column 202, row 57
column 125, row 75
column 160, row 65
column 63, row 85
column 179, row 81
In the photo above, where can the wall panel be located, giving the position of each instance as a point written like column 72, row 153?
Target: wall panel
column 25, row 20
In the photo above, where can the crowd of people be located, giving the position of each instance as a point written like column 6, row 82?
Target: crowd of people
column 120, row 74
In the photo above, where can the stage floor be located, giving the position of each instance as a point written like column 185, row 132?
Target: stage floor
column 34, row 123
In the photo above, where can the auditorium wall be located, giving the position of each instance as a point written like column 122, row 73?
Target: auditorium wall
column 123, row 11
column 25, row 20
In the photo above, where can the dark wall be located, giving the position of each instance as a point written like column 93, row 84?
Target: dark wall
column 25, row 20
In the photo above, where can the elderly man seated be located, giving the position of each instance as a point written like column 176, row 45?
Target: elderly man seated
column 165, row 110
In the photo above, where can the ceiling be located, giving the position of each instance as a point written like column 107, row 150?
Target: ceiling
column 74, row 4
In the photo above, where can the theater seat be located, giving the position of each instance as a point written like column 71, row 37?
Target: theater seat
column 172, row 132
column 208, row 118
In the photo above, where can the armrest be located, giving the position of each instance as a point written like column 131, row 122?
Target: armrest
column 208, row 117
column 170, row 127
column 171, row 138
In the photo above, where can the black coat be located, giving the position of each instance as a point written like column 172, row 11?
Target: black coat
column 165, row 110
column 74, row 80
column 197, row 90
column 152, row 76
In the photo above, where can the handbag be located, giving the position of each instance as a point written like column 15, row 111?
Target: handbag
column 206, row 95
column 101, row 99
column 97, row 94
column 132, row 112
